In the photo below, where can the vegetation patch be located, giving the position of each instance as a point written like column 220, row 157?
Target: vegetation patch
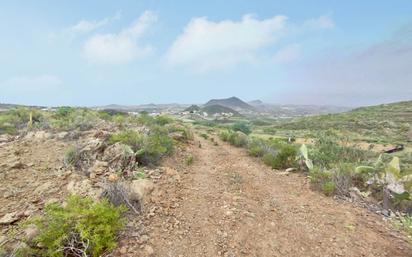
column 81, row 227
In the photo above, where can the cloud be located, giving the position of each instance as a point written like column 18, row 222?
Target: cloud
column 206, row 45
column 288, row 54
column 86, row 26
column 322, row 22
column 31, row 84
column 122, row 47
column 375, row 74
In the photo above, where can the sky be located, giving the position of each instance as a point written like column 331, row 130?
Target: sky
column 97, row 52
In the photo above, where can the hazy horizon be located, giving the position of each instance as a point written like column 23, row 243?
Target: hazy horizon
column 128, row 53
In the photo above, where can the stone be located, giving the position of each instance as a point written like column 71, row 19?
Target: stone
column 9, row 218
column 5, row 138
column 62, row 135
column 144, row 238
column 99, row 167
column 17, row 165
column 123, row 250
column 42, row 135
column 290, row 169
column 148, row 250
column 140, row 189
column 84, row 188
column 43, row 188
column 113, row 178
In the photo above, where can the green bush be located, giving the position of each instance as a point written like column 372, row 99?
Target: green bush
column 224, row 135
column 256, row 148
column 128, row 137
column 328, row 188
column 205, row 136
column 82, row 227
column 284, row 156
column 71, row 156
column 242, row 127
column 156, row 145
column 162, row 120
column 238, row 139
column 405, row 224
column 327, row 152
column 322, row 180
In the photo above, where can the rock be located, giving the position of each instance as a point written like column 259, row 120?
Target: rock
column 31, row 232
column 17, row 165
column 113, row 178
column 2, row 239
column 290, row 169
column 144, row 238
column 5, row 138
column 123, row 250
column 171, row 172
column 148, row 250
column 99, row 167
column 62, row 135
column 120, row 157
column 84, row 188
column 42, row 135
column 9, row 218
column 43, row 188
column 140, row 189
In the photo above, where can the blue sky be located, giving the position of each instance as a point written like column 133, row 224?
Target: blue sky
column 132, row 52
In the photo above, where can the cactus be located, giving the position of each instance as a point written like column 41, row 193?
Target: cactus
column 304, row 153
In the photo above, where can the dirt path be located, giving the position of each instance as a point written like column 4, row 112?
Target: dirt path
column 229, row 204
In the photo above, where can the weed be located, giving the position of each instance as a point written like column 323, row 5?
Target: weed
column 189, row 160
column 71, row 156
column 80, row 228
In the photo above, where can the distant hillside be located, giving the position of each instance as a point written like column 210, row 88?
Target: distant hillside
column 219, row 109
column 389, row 123
column 231, row 102
column 192, row 108
column 256, row 102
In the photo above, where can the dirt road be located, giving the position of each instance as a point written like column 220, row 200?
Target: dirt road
column 230, row 204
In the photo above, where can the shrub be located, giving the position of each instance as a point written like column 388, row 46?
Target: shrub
column 224, row 135
column 155, row 145
column 189, row 160
column 64, row 111
column 71, row 156
column 283, row 157
column 327, row 152
column 256, row 148
column 128, row 137
column 238, row 139
column 205, row 136
column 80, row 228
column 322, row 180
column 162, row 120
column 328, row 188
column 405, row 224
column 242, row 127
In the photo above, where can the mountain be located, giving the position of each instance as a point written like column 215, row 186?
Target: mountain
column 219, row 109
column 231, row 102
column 192, row 108
column 256, row 103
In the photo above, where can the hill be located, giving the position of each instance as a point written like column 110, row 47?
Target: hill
column 219, row 109
column 388, row 123
column 192, row 108
column 231, row 102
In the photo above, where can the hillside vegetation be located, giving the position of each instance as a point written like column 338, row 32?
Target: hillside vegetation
column 387, row 123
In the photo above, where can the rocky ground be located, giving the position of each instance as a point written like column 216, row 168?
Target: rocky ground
column 224, row 204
